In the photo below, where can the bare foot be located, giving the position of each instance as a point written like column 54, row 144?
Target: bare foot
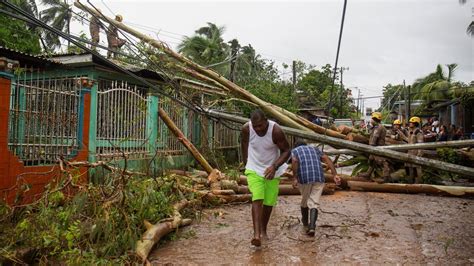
column 256, row 242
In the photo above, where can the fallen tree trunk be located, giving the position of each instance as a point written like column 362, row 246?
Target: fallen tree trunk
column 329, row 189
column 180, row 136
column 155, row 232
column 399, row 156
column 420, row 146
column 286, row 189
column 218, row 198
column 453, row 191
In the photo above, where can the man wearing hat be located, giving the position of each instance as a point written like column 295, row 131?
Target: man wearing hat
column 396, row 130
column 377, row 138
column 414, row 135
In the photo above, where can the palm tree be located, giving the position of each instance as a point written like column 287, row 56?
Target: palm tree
column 58, row 15
column 470, row 28
column 436, row 86
column 207, row 47
column 30, row 7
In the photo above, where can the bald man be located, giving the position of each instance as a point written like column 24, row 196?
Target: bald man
column 265, row 151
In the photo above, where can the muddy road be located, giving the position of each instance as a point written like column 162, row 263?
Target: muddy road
column 354, row 228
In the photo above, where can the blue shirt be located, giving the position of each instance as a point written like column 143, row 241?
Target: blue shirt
column 310, row 169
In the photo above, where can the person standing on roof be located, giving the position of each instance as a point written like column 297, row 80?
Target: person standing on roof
column 377, row 138
column 94, row 28
column 113, row 39
column 265, row 151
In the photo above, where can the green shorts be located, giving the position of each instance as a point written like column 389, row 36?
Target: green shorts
column 262, row 189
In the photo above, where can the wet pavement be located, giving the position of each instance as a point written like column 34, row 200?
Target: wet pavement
column 354, row 228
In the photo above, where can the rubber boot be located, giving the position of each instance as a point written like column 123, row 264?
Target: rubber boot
column 313, row 217
column 304, row 216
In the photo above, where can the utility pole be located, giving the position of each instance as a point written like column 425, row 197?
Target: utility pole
column 294, row 75
column 329, row 105
column 358, row 101
column 342, row 90
column 409, row 101
column 362, row 109
column 234, row 49
column 407, row 116
column 400, row 107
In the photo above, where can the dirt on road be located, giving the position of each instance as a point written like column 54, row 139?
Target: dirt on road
column 353, row 228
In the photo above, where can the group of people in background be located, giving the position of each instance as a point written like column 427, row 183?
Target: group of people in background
column 432, row 131
column 414, row 132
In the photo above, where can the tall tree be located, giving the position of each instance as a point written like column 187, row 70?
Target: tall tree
column 58, row 15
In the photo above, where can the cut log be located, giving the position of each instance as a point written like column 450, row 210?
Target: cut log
column 223, row 192
column 287, row 189
column 344, row 179
column 399, row 156
column 155, row 232
column 344, row 129
column 193, row 173
column 180, row 136
column 242, row 198
column 329, row 189
column 452, row 191
column 357, row 138
column 229, row 184
column 213, row 179
column 209, row 197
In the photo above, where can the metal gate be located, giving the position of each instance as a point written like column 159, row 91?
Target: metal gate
column 121, row 120
column 44, row 118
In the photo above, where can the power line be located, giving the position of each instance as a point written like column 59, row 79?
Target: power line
column 80, row 45
column 158, row 31
column 337, row 57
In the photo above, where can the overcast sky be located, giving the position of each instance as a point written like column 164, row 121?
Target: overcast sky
column 383, row 41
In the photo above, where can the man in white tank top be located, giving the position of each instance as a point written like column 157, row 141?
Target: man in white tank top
column 265, row 151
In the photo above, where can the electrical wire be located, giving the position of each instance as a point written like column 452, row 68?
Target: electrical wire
column 329, row 106
column 197, row 107
column 80, row 45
